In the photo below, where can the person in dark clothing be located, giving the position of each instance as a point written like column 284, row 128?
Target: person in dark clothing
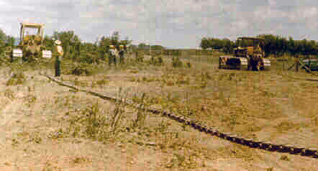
column 121, row 54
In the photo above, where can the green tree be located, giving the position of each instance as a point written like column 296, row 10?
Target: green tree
column 227, row 46
column 3, row 39
column 205, row 44
column 48, row 42
column 70, row 43
column 89, row 53
column 10, row 41
column 114, row 39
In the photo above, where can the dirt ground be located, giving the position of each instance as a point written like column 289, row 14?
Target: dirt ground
column 49, row 127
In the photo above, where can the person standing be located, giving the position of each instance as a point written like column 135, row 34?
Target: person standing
column 59, row 54
column 112, row 55
column 121, row 54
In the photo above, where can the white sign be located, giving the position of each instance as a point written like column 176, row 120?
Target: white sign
column 17, row 53
column 46, row 54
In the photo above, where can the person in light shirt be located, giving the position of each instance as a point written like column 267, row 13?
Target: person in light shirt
column 60, row 53
column 112, row 55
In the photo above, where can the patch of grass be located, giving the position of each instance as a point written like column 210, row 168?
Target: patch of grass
column 182, row 161
column 134, row 71
column 57, row 134
column 172, row 79
column 102, row 82
column 118, row 111
column 285, row 126
column 9, row 94
column 48, row 166
column 139, row 57
column 188, row 64
column 80, row 83
column 35, row 139
column 183, row 79
column 88, row 123
column 230, row 120
column 141, row 114
column 30, row 99
column 17, row 78
column 285, row 158
column 80, row 160
column 176, row 62
column 79, row 69
column 162, row 127
column 156, row 60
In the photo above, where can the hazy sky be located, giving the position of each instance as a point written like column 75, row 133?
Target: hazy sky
column 172, row 23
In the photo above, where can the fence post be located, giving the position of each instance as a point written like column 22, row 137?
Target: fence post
column 297, row 63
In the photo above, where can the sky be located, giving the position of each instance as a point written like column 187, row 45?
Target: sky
column 171, row 23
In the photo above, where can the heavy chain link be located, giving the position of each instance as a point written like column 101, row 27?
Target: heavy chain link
column 313, row 153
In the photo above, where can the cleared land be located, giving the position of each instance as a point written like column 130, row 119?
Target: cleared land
column 48, row 127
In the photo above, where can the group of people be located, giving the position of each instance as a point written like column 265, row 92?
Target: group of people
column 114, row 54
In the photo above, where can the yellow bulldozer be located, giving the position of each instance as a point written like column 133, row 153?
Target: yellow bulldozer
column 249, row 55
column 31, row 46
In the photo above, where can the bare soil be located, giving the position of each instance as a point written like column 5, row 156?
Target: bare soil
column 49, row 127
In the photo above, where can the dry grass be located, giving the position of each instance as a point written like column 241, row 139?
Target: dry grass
column 48, row 127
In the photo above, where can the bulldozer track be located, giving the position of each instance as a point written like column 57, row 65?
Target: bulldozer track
column 267, row 146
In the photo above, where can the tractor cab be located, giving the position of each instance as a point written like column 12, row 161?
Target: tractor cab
column 240, row 52
column 254, row 46
column 31, row 46
column 31, row 33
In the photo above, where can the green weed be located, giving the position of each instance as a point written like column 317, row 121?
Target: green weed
column 17, row 78
column 118, row 111
column 88, row 123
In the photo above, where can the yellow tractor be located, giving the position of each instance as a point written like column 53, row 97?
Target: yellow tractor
column 31, row 46
column 249, row 55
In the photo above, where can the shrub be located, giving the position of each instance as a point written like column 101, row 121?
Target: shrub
column 156, row 60
column 139, row 56
column 16, row 78
column 176, row 62
column 88, row 123
column 188, row 64
column 119, row 110
column 79, row 69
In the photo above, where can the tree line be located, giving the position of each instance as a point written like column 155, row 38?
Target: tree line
column 5, row 41
column 74, row 48
column 77, row 50
column 273, row 45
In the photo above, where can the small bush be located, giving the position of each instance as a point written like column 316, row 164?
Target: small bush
column 156, row 60
column 82, row 69
column 188, row 64
column 176, row 62
column 17, row 78
column 160, row 60
column 9, row 94
column 78, row 69
column 182, row 79
column 139, row 56
column 101, row 82
column 141, row 114
column 118, row 111
column 88, row 123
column 78, row 82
